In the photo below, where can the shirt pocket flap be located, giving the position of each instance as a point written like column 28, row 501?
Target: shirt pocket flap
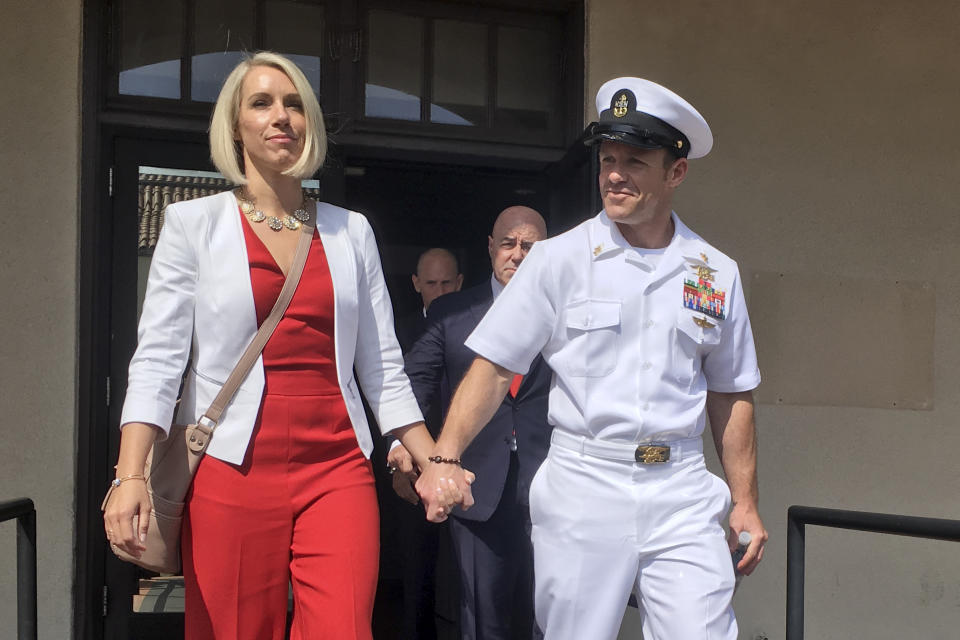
column 700, row 328
column 593, row 314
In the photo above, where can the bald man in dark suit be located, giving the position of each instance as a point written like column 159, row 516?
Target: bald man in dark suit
column 430, row 580
column 491, row 540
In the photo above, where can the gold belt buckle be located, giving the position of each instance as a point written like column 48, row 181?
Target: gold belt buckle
column 652, row 454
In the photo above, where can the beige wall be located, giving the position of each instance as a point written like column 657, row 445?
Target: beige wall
column 39, row 149
column 836, row 158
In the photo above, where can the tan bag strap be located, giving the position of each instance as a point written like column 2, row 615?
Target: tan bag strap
column 249, row 357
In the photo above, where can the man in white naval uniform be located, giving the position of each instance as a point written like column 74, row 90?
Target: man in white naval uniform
column 646, row 329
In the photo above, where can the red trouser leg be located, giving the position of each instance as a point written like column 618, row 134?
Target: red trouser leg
column 235, row 557
column 335, row 550
column 334, row 565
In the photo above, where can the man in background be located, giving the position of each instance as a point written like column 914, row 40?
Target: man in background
column 429, row 574
column 491, row 540
column 438, row 273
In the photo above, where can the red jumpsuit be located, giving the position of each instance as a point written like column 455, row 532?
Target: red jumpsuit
column 302, row 507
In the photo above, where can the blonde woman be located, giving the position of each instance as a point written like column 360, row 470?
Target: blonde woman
column 285, row 491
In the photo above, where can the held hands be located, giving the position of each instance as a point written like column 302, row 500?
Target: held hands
column 746, row 518
column 404, row 475
column 126, row 517
column 441, row 486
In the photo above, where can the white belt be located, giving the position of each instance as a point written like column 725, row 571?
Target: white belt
column 679, row 449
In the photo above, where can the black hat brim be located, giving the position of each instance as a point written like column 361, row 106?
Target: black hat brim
column 625, row 138
column 625, row 133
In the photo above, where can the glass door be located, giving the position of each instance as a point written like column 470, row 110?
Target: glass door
column 147, row 174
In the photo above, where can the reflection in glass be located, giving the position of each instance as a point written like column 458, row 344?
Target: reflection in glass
column 394, row 66
column 160, row 80
column 151, row 42
column 209, row 70
column 296, row 29
column 459, row 72
column 223, row 31
column 158, row 188
column 528, row 78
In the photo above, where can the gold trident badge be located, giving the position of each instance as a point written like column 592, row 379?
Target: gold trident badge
column 620, row 106
column 705, row 273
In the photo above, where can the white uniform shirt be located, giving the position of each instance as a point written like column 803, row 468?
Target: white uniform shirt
column 634, row 344
column 495, row 286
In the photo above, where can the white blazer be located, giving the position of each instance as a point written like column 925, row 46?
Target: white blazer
column 199, row 290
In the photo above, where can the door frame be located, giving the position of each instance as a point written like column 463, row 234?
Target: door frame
column 124, row 151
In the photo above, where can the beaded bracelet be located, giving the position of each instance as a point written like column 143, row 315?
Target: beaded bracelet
column 134, row 476
column 440, row 460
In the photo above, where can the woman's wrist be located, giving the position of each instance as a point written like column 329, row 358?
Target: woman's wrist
column 120, row 479
column 135, row 441
column 442, row 460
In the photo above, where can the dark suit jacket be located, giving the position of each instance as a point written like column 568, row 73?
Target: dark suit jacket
column 440, row 353
column 409, row 329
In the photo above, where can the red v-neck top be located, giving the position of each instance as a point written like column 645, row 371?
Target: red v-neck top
column 301, row 351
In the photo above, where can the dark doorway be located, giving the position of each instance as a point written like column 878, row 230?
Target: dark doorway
column 135, row 605
column 416, row 206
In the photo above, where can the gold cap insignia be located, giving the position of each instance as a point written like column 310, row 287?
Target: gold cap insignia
column 620, row 106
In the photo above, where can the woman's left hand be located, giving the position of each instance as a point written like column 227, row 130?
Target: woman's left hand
column 403, row 473
column 127, row 517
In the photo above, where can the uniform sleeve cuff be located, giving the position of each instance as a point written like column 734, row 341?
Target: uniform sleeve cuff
column 737, row 385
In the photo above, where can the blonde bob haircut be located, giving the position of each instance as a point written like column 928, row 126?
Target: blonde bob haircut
column 227, row 152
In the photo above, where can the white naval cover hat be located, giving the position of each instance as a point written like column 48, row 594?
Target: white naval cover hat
column 644, row 114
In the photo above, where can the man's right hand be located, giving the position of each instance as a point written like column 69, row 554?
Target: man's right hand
column 476, row 400
column 442, row 486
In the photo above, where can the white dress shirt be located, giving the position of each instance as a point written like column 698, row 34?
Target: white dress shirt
column 495, row 286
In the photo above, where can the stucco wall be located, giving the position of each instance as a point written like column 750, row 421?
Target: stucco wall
column 836, row 158
column 39, row 147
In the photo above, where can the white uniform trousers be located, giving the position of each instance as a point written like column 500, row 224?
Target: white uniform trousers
column 603, row 528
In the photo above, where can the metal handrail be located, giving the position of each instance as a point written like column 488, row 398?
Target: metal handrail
column 26, row 515
column 798, row 517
